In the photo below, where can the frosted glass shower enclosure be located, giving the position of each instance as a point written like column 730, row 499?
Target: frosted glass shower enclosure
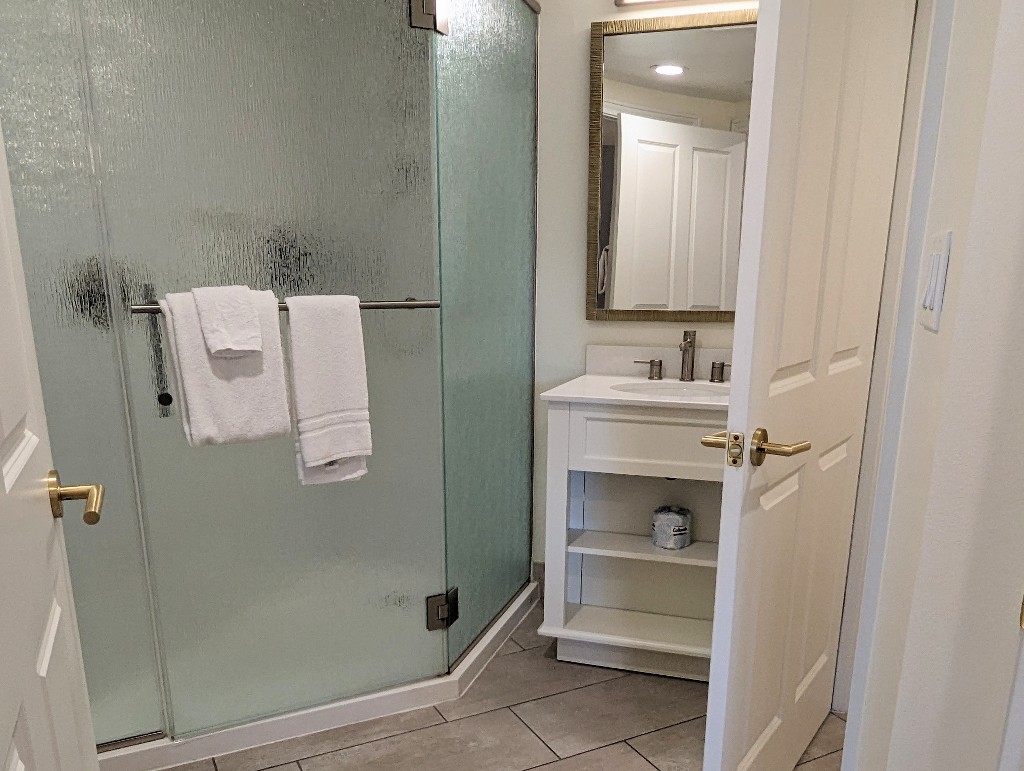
column 307, row 147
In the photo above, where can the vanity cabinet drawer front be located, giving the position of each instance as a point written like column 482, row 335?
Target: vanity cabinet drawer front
column 657, row 443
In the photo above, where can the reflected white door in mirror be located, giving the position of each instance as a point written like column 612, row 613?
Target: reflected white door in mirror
column 619, row 447
column 669, row 116
column 675, row 235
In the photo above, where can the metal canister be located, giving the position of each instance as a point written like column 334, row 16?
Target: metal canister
column 670, row 528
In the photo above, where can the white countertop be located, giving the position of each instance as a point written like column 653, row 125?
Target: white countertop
column 601, row 389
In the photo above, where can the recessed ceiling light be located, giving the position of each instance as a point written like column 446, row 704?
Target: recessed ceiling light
column 668, row 69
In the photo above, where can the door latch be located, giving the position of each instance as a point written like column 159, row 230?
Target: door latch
column 731, row 443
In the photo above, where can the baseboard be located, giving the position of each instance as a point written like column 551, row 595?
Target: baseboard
column 166, row 753
column 616, row 657
column 537, row 574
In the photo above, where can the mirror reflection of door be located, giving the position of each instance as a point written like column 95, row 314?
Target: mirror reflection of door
column 673, row 148
column 676, row 239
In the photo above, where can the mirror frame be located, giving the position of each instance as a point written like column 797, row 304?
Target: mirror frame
column 599, row 30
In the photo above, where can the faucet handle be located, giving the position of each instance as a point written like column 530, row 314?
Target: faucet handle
column 655, row 367
column 718, row 371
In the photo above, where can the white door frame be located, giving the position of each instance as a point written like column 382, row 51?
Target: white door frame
column 972, row 639
column 914, row 173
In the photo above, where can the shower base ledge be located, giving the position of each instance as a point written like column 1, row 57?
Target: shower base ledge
column 165, row 753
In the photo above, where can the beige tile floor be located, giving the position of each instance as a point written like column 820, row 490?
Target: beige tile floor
column 528, row 710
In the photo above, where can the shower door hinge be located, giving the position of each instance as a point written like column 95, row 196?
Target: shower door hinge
column 442, row 609
column 429, row 14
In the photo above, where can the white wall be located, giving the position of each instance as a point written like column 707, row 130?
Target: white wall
column 938, row 638
column 562, row 331
column 713, row 113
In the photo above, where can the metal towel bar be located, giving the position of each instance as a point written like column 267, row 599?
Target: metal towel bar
column 375, row 305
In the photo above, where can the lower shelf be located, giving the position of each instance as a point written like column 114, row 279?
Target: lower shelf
column 639, row 547
column 633, row 629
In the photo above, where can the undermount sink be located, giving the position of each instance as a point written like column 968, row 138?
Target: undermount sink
column 673, row 389
column 624, row 391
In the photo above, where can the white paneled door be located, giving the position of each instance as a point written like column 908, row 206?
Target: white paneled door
column 829, row 89
column 44, row 710
column 677, row 216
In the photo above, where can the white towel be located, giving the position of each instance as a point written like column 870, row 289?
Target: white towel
column 332, row 406
column 227, row 400
column 230, row 325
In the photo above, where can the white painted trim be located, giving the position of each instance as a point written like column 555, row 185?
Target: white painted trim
column 166, row 753
column 612, row 109
column 916, row 159
column 933, row 31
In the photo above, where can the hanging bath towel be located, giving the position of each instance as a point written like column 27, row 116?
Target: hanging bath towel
column 332, row 406
column 225, row 400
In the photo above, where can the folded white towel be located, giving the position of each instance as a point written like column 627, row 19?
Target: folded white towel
column 230, row 325
column 332, row 406
column 227, row 400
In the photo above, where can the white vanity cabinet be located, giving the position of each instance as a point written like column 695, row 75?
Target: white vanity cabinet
column 618, row 448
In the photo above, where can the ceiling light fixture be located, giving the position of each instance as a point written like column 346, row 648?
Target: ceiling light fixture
column 668, row 69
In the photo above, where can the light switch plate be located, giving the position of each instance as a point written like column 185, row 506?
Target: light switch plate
column 934, row 268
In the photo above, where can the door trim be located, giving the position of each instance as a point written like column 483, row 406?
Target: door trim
column 886, row 363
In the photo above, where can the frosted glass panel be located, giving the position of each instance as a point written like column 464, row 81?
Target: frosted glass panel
column 45, row 124
column 284, row 144
column 486, row 97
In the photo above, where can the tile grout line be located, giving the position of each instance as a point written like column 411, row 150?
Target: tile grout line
column 648, row 733
column 509, row 707
column 645, row 759
column 557, row 756
column 826, row 755
column 819, row 757
column 360, row 744
column 446, row 721
column 611, row 744
column 663, row 728
column 539, row 698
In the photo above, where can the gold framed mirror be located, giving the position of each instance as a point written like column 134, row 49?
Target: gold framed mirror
column 669, row 112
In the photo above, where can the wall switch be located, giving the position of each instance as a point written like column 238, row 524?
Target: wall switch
column 934, row 268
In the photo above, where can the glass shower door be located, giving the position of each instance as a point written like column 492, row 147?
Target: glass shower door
column 289, row 146
column 306, row 147
column 285, row 146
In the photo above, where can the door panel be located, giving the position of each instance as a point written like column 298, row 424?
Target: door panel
column 44, row 708
column 816, row 216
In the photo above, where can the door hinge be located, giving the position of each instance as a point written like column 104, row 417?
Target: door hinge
column 425, row 14
column 442, row 609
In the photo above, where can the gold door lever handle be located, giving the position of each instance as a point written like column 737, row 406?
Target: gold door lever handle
column 760, row 447
column 719, row 440
column 91, row 494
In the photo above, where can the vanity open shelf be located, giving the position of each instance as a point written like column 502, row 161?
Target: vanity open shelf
column 639, row 547
column 635, row 629
column 617, row 450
